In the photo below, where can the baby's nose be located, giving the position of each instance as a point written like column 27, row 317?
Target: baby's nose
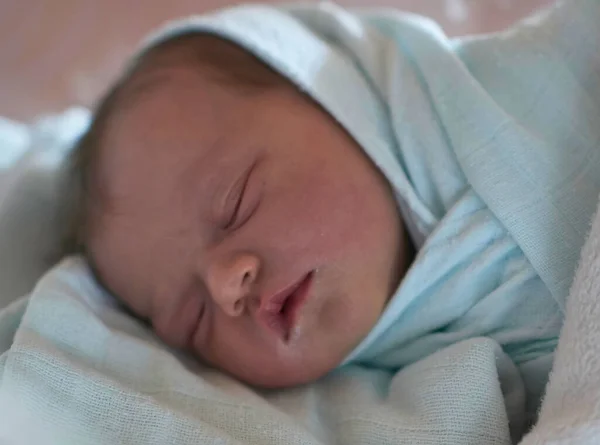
column 231, row 282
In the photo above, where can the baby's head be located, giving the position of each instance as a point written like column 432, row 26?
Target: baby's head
column 231, row 212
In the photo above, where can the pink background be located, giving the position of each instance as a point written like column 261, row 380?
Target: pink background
column 63, row 52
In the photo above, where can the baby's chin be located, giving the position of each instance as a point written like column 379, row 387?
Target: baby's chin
column 272, row 380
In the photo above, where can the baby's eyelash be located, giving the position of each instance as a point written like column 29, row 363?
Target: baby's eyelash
column 233, row 219
column 236, row 210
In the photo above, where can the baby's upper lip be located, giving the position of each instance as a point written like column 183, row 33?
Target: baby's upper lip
column 274, row 312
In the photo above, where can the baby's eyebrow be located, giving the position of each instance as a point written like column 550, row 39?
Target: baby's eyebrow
column 212, row 182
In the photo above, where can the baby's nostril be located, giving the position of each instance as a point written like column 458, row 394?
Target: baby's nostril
column 247, row 277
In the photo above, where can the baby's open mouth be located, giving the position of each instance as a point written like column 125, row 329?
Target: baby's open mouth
column 281, row 311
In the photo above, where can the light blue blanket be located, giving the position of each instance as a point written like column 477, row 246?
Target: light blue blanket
column 490, row 144
column 499, row 137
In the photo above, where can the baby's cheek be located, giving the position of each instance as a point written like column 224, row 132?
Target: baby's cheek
column 343, row 222
column 164, row 331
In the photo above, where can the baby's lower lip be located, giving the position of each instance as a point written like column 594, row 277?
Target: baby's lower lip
column 282, row 323
column 295, row 304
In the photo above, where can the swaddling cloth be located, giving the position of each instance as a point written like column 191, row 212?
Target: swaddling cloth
column 490, row 145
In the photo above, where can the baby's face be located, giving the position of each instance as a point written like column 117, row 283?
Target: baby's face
column 247, row 228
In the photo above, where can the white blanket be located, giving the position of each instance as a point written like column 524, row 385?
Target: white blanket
column 571, row 410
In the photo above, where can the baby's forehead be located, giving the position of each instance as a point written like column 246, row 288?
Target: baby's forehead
column 152, row 72
column 172, row 127
column 224, row 64
column 186, row 83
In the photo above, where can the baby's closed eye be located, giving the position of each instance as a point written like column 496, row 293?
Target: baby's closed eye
column 242, row 200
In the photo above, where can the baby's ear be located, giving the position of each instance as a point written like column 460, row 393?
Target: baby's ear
column 72, row 197
column 77, row 183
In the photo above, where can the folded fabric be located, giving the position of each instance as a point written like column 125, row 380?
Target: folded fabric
column 493, row 160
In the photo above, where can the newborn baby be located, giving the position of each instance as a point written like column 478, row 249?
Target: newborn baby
column 255, row 186
column 230, row 211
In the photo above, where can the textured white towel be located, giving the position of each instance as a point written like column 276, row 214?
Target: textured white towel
column 571, row 410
